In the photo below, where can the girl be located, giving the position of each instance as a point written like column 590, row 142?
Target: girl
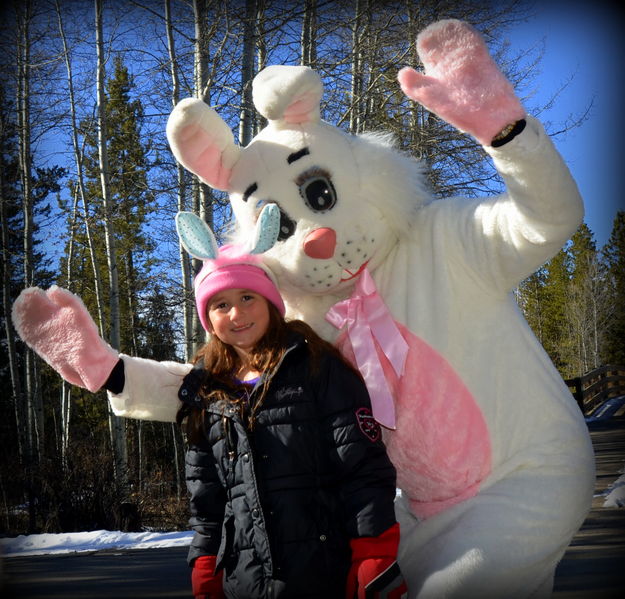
column 291, row 489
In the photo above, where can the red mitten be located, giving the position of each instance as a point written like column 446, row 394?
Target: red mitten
column 374, row 571
column 57, row 326
column 462, row 84
column 205, row 582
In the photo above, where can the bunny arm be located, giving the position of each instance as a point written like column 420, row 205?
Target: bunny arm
column 462, row 84
column 150, row 389
column 57, row 326
column 501, row 240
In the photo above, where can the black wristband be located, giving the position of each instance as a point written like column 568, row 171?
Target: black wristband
column 516, row 129
column 117, row 379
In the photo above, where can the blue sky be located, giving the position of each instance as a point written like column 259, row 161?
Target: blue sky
column 584, row 40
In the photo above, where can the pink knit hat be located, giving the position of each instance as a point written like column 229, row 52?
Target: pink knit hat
column 234, row 269
column 232, row 266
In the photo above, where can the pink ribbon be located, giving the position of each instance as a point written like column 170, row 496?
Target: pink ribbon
column 367, row 317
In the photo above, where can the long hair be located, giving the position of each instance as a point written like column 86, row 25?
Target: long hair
column 220, row 361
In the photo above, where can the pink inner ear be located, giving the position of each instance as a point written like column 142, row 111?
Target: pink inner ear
column 203, row 157
column 303, row 110
column 211, row 169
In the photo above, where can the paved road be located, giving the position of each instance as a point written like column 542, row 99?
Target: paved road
column 137, row 573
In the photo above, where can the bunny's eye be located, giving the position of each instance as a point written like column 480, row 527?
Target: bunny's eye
column 316, row 189
column 287, row 226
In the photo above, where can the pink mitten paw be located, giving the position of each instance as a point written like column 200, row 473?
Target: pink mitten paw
column 57, row 326
column 411, row 81
column 462, row 84
column 31, row 306
column 62, row 297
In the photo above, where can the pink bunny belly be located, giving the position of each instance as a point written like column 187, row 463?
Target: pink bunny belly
column 441, row 446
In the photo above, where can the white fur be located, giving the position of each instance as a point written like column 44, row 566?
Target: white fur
column 150, row 390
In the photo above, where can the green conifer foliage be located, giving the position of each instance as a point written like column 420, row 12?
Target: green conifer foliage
column 132, row 200
column 614, row 255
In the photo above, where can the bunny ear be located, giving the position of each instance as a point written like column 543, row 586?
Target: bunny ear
column 202, row 142
column 289, row 93
column 195, row 236
column 267, row 229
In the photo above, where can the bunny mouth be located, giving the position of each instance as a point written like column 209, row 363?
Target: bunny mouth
column 355, row 274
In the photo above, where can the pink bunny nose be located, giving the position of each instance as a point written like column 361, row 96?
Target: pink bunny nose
column 320, row 243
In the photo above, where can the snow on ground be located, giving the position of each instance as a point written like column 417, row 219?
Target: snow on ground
column 615, row 495
column 75, row 542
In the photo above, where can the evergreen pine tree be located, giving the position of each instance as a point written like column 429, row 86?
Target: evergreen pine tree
column 531, row 300
column 614, row 255
column 555, row 338
column 133, row 202
column 584, row 298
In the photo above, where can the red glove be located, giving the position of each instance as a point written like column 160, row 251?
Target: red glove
column 206, row 583
column 374, row 571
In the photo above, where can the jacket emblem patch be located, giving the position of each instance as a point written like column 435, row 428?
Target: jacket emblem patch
column 368, row 424
column 287, row 393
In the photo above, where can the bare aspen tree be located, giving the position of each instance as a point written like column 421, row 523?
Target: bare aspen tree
column 79, row 192
column 416, row 111
column 202, row 91
column 202, row 196
column 16, row 382
column 261, row 48
column 190, row 320
column 34, row 409
column 34, row 413
column 246, row 119
column 309, row 34
column 117, row 425
column 80, row 178
column 359, row 32
column 185, row 263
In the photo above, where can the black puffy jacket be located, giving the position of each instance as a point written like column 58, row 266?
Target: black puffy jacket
column 279, row 504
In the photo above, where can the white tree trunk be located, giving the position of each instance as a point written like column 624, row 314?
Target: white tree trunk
column 181, row 188
column 117, row 425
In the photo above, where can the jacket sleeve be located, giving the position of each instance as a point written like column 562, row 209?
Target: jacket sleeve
column 207, row 501
column 367, row 479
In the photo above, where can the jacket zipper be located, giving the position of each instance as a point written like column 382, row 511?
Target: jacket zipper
column 264, row 380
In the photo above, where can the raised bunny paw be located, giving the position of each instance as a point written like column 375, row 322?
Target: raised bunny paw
column 461, row 84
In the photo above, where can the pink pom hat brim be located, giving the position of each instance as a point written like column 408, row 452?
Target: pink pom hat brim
column 233, row 276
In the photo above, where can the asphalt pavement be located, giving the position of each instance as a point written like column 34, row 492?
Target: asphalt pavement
column 136, row 573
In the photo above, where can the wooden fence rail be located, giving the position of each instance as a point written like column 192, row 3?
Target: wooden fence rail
column 597, row 386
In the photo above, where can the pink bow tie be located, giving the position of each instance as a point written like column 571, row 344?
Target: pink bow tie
column 367, row 317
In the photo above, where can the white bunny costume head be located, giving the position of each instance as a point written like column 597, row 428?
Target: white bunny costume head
column 317, row 175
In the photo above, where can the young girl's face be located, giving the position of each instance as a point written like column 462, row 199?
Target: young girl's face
column 238, row 317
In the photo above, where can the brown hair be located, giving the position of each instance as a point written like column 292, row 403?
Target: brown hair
column 220, row 361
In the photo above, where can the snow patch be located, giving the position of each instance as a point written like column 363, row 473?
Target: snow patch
column 76, row 542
